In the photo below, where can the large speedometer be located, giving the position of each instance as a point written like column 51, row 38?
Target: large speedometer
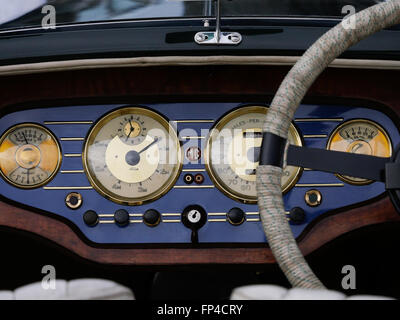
column 132, row 156
column 233, row 149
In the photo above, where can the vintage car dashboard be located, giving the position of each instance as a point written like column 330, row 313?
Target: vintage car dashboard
column 64, row 128
column 178, row 172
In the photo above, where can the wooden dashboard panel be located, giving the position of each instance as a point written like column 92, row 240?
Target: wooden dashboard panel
column 195, row 83
column 322, row 232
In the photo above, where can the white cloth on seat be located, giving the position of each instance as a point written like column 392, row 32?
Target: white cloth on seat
column 367, row 297
column 273, row 292
column 7, row 295
column 80, row 289
column 309, row 294
column 35, row 291
column 259, row 292
column 98, row 289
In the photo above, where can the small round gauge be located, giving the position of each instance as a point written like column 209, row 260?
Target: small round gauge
column 132, row 156
column 233, row 149
column 362, row 137
column 29, row 156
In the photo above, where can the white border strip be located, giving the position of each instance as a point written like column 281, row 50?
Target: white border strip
column 55, row 66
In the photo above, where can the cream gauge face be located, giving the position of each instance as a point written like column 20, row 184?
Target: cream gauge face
column 233, row 150
column 132, row 156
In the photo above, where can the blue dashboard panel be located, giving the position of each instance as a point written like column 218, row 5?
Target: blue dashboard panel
column 76, row 121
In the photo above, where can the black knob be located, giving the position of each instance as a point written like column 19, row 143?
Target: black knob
column 297, row 215
column 235, row 216
column 91, row 218
column 121, row 217
column 152, row 217
column 194, row 217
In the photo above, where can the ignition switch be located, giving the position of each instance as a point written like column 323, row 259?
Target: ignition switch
column 194, row 217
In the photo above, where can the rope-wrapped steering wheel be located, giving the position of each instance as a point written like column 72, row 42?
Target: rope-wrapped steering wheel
column 278, row 119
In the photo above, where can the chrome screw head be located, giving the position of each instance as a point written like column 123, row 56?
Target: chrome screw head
column 200, row 37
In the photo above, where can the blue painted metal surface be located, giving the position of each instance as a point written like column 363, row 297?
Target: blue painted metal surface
column 213, row 200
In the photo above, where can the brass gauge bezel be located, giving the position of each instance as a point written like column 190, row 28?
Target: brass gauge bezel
column 97, row 185
column 218, row 126
column 52, row 136
column 338, row 128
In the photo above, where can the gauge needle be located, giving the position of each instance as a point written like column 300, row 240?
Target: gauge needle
column 149, row 145
column 132, row 129
column 25, row 138
column 358, row 146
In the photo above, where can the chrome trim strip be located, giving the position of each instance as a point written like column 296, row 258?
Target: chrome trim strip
column 67, row 188
column 113, row 221
column 72, row 155
column 68, row 122
column 74, row 25
column 193, row 170
column 308, row 185
column 191, row 138
column 111, row 215
column 136, row 221
column 194, row 187
column 257, row 213
column 71, row 171
column 306, row 136
column 193, row 121
column 319, row 119
column 216, row 220
column 106, row 221
column 72, row 139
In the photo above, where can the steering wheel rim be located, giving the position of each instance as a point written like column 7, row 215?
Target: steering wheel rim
column 278, row 119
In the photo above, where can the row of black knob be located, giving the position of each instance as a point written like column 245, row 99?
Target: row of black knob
column 152, row 217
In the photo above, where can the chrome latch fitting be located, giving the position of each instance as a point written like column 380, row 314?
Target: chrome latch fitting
column 217, row 36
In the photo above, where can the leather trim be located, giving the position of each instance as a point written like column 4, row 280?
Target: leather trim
column 54, row 66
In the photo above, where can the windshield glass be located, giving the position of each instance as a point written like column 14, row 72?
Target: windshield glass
column 28, row 13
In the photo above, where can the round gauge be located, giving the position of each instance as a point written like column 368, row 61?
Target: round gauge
column 362, row 137
column 29, row 156
column 132, row 156
column 233, row 149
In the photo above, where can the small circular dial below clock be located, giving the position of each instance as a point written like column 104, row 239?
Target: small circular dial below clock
column 132, row 156
column 362, row 137
column 29, row 156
